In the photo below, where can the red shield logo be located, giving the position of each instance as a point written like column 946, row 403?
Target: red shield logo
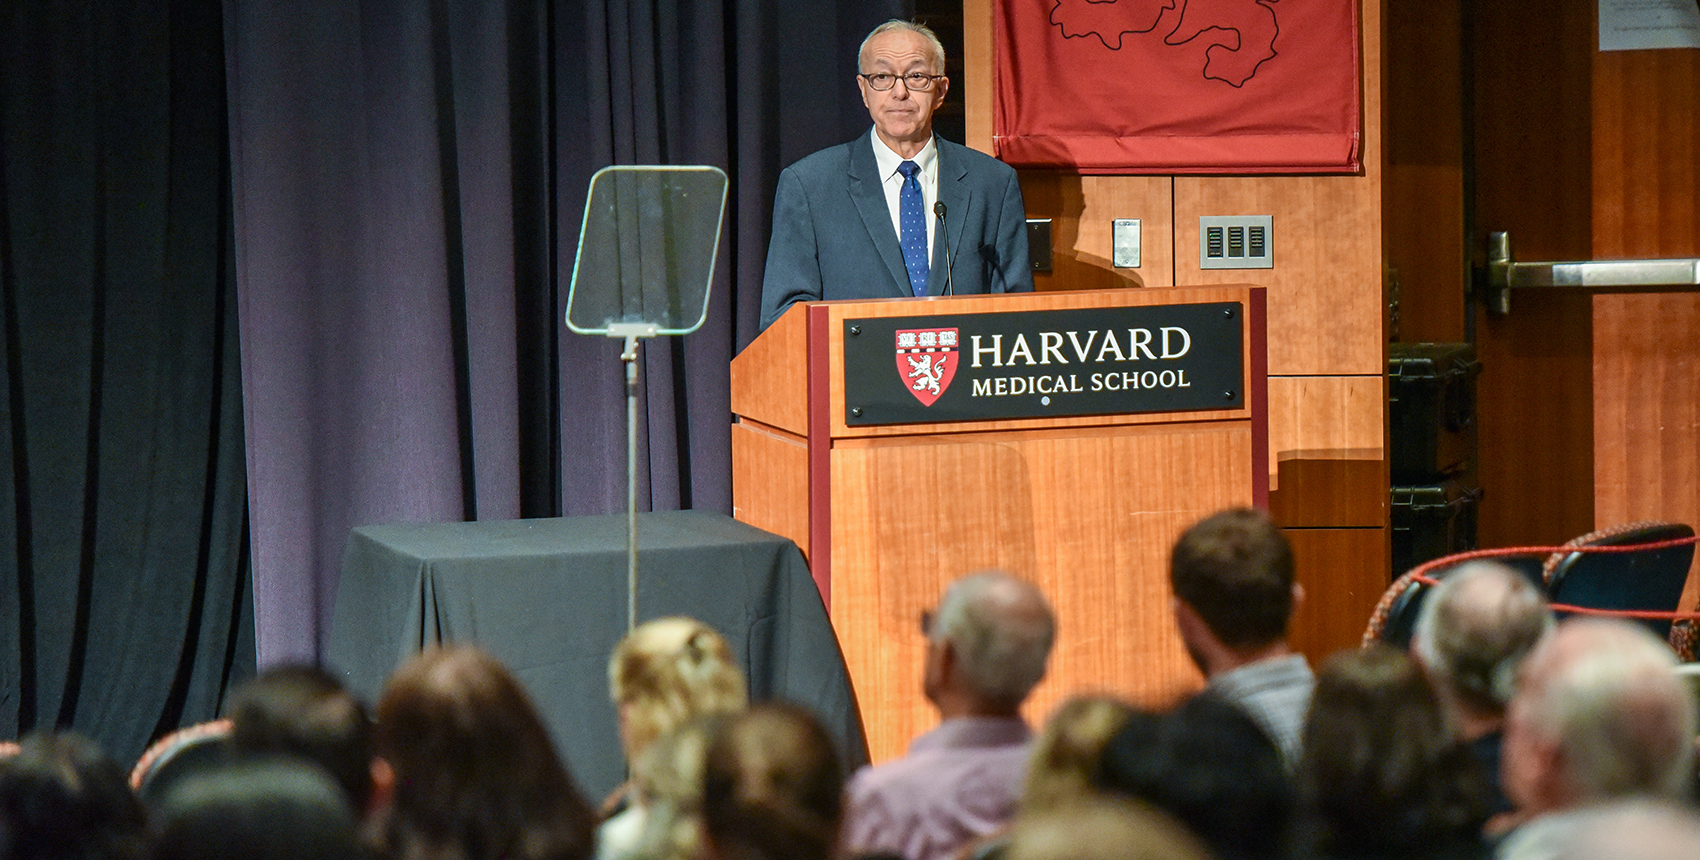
column 926, row 361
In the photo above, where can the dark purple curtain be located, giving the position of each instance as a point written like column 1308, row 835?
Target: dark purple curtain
column 409, row 177
column 125, row 608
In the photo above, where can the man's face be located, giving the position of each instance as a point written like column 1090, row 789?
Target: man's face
column 903, row 119
column 1528, row 758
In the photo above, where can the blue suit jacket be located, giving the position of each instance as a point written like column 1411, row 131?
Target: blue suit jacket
column 833, row 238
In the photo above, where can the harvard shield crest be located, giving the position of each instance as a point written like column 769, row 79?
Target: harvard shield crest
column 926, row 361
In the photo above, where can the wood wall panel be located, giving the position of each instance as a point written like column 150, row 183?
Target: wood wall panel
column 1326, row 315
column 1647, row 408
column 1344, row 573
column 1327, row 450
column 1646, row 348
column 1646, row 154
column 1106, row 573
column 1081, row 209
column 1647, row 412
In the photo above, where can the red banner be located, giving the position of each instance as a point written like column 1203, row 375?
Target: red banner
column 1179, row 86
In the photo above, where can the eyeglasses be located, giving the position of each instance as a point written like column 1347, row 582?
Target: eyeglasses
column 919, row 82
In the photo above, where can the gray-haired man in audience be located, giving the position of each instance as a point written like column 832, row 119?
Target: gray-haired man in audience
column 987, row 646
column 1599, row 715
column 1472, row 634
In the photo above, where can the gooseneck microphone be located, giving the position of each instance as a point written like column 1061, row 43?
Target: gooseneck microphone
column 944, row 236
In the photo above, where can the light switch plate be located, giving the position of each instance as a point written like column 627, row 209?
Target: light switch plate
column 1124, row 243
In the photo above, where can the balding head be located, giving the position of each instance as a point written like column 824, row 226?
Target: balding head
column 1474, row 631
column 1598, row 714
column 999, row 631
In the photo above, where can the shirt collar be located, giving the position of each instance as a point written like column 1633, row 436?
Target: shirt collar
column 887, row 159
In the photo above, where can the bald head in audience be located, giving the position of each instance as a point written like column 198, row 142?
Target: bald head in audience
column 1598, row 714
column 986, row 648
column 1473, row 634
column 992, row 637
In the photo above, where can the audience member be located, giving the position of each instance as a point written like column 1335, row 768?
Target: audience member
column 1066, row 755
column 1063, row 766
column 1636, row 830
column 1472, row 634
column 1232, row 574
column 662, row 675
column 668, row 777
column 1210, row 765
column 475, row 774
column 773, row 787
column 1383, row 776
column 62, row 798
column 278, row 809
column 1598, row 715
column 987, row 646
column 1102, row 828
column 303, row 712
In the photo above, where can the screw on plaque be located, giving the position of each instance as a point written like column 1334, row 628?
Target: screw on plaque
column 1227, row 395
column 855, row 330
column 855, row 412
column 1228, row 312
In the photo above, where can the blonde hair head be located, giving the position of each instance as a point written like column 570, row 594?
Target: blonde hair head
column 1065, row 755
column 667, row 672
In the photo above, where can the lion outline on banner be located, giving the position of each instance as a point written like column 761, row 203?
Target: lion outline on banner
column 1241, row 32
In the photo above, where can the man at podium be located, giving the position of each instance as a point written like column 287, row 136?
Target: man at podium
column 896, row 212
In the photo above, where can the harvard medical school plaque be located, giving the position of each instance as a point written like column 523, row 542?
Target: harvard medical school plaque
column 1043, row 364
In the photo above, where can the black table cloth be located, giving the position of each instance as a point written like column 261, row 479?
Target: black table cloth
column 548, row 598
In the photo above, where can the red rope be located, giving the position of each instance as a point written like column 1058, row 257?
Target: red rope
column 1420, row 573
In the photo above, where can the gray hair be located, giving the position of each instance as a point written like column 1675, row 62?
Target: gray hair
column 899, row 24
column 1606, row 691
column 1002, row 629
column 1476, row 628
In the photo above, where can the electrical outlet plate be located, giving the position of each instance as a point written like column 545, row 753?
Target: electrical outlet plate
column 1039, row 243
column 1236, row 242
column 1124, row 245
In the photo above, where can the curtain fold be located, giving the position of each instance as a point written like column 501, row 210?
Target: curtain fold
column 125, row 566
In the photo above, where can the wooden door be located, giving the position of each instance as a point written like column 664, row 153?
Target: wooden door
column 1591, row 421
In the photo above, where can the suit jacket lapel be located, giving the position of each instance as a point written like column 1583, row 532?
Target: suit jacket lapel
column 955, row 195
column 869, row 194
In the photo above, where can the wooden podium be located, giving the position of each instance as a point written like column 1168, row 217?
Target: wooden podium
column 1086, row 506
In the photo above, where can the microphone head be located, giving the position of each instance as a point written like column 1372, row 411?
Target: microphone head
column 938, row 209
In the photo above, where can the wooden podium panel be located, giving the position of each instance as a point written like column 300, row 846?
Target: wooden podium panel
column 1086, row 507
column 1087, row 516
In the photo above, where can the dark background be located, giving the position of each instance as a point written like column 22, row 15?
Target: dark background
column 272, row 270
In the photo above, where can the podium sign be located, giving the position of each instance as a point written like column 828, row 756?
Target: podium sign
column 1044, row 364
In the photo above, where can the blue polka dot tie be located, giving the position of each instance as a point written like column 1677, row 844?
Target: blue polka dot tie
column 912, row 224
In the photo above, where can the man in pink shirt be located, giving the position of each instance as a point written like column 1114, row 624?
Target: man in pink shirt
column 987, row 645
